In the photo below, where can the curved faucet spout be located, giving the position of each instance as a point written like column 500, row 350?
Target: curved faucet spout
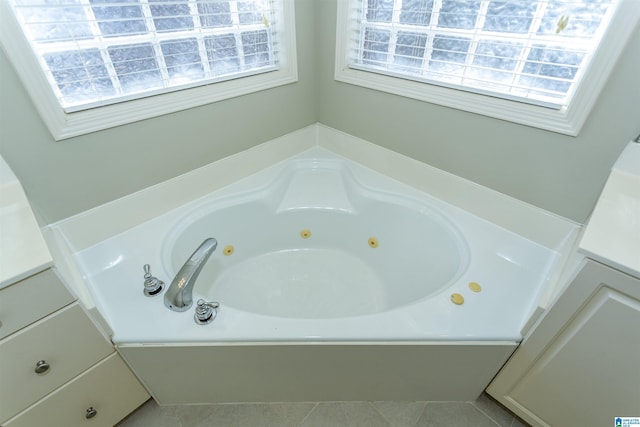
column 179, row 295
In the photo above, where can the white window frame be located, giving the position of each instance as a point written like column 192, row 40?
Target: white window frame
column 66, row 125
column 566, row 120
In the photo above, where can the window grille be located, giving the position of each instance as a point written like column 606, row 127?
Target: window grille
column 99, row 52
column 527, row 50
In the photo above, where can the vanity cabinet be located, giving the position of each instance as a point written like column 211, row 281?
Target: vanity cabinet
column 579, row 366
column 56, row 367
column 100, row 397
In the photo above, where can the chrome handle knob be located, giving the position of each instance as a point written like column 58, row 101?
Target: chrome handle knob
column 90, row 413
column 205, row 312
column 152, row 285
column 41, row 367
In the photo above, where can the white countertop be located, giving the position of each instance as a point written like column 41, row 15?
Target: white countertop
column 612, row 235
column 23, row 251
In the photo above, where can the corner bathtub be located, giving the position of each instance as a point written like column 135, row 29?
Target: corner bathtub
column 334, row 283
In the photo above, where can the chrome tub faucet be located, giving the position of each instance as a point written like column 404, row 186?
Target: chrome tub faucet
column 179, row 295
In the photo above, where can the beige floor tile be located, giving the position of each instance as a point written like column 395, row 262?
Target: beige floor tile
column 458, row 414
column 244, row 415
column 345, row 414
column 150, row 414
column 482, row 413
column 400, row 414
column 493, row 410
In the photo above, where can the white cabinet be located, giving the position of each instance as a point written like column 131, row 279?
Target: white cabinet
column 31, row 299
column 580, row 365
column 61, row 346
column 100, row 397
column 55, row 364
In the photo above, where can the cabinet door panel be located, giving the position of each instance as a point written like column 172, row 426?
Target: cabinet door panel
column 579, row 365
column 67, row 341
column 109, row 389
column 589, row 374
column 30, row 300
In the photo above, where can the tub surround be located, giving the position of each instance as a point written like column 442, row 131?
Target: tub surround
column 306, row 372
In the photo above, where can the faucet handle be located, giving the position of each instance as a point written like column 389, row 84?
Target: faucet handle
column 205, row 311
column 152, row 285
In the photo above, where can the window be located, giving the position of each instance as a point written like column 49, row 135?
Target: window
column 96, row 54
column 527, row 61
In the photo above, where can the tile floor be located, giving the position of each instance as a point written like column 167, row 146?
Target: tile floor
column 484, row 412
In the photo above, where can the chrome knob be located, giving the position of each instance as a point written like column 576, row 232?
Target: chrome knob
column 205, row 312
column 152, row 285
column 90, row 413
column 41, row 367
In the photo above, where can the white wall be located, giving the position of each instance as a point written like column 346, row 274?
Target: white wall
column 559, row 173
column 67, row 177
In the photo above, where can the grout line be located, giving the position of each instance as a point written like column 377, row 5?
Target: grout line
column 381, row 414
column 308, row 413
column 486, row 415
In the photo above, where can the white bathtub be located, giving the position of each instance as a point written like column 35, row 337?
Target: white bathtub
column 335, row 282
column 333, row 285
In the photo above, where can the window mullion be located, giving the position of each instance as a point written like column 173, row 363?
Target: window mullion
column 235, row 22
column 361, row 31
column 482, row 15
column 475, row 40
column 102, row 46
column 197, row 28
column 393, row 35
column 155, row 42
column 431, row 34
column 524, row 54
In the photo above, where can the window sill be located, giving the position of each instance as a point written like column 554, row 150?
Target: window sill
column 66, row 125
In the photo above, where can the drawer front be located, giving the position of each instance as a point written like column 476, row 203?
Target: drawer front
column 31, row 299
column 67, row 341
column 109, row 389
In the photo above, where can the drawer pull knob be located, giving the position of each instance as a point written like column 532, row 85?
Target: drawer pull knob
column 90, row 413
column 42, row 367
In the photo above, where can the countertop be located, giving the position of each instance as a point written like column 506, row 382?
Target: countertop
column 612, row 235
column 23, row 251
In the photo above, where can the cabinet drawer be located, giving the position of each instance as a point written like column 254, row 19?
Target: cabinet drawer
column 31, row 299
column 109, row 388
column 67, row 340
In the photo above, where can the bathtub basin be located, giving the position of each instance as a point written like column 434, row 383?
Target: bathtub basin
column 316, row 243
